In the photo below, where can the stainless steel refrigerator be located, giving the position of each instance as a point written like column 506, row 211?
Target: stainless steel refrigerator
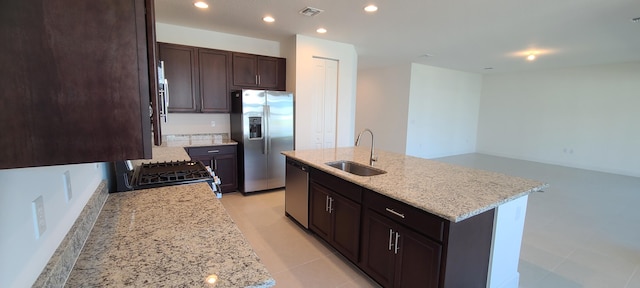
column 262, row 124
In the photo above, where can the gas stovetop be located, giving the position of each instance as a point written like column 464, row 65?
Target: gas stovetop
column 170, row 173
column 151, row 175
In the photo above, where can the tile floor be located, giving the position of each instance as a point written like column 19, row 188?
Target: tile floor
column 583, row 231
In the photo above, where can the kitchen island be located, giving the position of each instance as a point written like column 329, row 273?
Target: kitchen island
column 175, row 236
column 465, row 222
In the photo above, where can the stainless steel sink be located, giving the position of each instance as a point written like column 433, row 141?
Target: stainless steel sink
column 356, row 168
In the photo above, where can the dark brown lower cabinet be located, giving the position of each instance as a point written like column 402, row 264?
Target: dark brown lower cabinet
column 336, row 219
column 403, row 246
column 223, row 161
column 396, row 244
column 396, row 256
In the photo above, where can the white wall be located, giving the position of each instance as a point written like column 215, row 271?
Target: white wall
column 24, row 256
column 584, row 117
column 215, row 40
column 383, row 105
column 305, row 49
column 191, row 123
column 443, row 111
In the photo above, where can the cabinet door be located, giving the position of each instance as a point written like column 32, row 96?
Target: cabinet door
column 75, row 82
column 214, row 80
column 180, row 69
column 267, row 72
column 418, row 260
column 225, row 167
column 345, row 235
column 244, row 70
column 378, row 258
column 319, row 217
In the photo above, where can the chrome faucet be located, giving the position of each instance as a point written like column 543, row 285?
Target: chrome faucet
column 373, row 157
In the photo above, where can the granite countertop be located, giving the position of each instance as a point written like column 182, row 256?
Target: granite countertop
column 172, row 148
column 191, row 140
column 173, row 236
column 452, row 192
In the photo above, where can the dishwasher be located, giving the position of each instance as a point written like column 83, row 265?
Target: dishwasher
column 296, row 193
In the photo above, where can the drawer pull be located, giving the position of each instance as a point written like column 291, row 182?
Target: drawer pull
column 213, row 151
column 395, row 213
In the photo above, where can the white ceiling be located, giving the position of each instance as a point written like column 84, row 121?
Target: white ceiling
column 466, row 35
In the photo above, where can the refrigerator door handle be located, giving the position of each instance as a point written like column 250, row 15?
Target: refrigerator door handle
column 268, row 128
column 265, row 129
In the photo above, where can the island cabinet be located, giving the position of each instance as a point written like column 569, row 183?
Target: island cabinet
column 198, row 78
column 334, row 212
column 258, row 72
column 222, row 160
column 403, row 246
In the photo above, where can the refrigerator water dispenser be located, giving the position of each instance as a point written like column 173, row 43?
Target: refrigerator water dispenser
column 255, row 127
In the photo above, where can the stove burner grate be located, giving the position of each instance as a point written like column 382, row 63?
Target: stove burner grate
column 172, row 173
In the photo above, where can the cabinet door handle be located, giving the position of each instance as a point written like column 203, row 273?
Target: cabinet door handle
column 390, row 239
column 395, row 213
column 165, row 104
column 213, row 151
column 396, row 243
column 215, row 164
column 326, row 203
column 257, row 80
column 330, row 205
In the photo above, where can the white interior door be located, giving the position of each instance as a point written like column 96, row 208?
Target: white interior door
column 325, row 72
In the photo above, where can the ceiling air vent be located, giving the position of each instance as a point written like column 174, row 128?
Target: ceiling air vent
column 310, row 11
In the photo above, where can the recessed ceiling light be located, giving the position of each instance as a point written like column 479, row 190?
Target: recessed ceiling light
column 201, row 5
column 321, row 30
column 268, row 19
column 371, row 8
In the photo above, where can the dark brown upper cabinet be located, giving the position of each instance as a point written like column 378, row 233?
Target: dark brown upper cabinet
column 198, row 78
column 258, row 72
column 214, row 80
column 75, row 82
column 181, row 72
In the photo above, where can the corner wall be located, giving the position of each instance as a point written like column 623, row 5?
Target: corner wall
column 443, row 112
column 24, row 256
column 383, row 105
column 583, row 117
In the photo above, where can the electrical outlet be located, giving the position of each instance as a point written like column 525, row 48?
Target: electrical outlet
column 213, row 123
column 66, row 178
column 39, row 222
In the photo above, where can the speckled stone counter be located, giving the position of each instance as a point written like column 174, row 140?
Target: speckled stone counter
column 452, row 192
column 172, row 236
column 190, row 140
column 172, row 148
